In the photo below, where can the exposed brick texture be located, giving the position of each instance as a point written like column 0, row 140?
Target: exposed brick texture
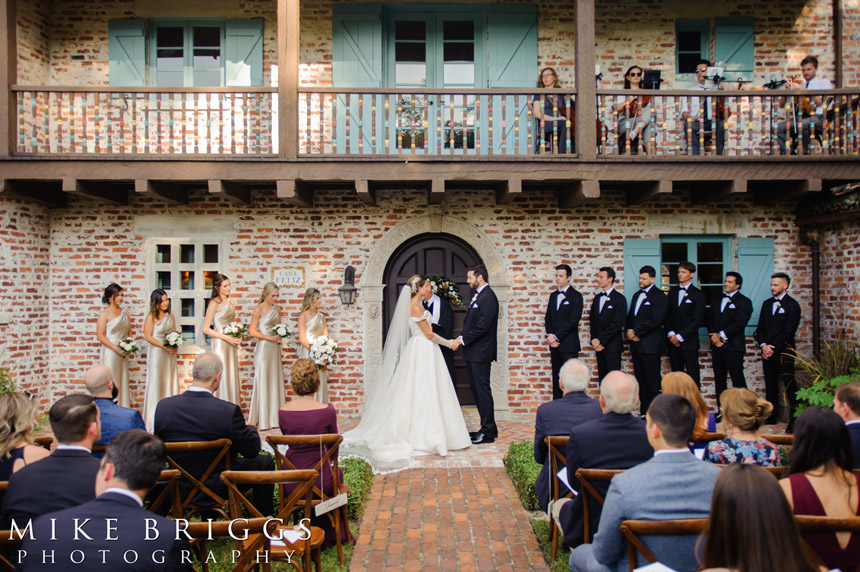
column 840, row 280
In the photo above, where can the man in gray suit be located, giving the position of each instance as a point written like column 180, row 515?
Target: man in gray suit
column 674, row 484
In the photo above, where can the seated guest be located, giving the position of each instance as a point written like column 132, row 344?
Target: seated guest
column 846, row 403
column 634, row 115
column 674, row 484
column 197, row 415
column 751, row 526
column 557, row 417
column 698, row 114
column 744, row 413
column 821, row 483
column 114, row 418
column 67, row 477
column 616, row 440
column 305, row 415
column 124, row 535
column 682, row 384
column 18, row 419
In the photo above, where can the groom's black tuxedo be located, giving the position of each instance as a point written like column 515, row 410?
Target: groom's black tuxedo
column 444, row 328
column 562, row 321
column 479, row 351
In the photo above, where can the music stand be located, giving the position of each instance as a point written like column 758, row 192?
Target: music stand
column 651, row 79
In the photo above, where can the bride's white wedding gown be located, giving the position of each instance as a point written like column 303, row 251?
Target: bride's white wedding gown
column 414, row 413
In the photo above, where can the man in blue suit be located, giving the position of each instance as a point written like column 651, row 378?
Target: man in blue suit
column 846, row 403
column 479, row 349
column 562, row 324
column 113, row 531
column 674, row 484
column 114, row 418
column 645, row 332
column 558, row 416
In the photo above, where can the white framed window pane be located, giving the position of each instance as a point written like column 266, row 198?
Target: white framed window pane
column 170, row 78
column 410, row 74
column 459, row 74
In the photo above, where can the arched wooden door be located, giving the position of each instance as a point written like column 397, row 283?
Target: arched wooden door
column 433, row 254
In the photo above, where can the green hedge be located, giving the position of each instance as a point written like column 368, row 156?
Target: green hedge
column 358, row 475
column 523, row 470
column 562, row 554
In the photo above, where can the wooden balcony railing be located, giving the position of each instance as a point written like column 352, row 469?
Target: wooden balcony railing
column 146, row 121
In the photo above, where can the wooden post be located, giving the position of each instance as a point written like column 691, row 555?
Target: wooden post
column 8, row 76
column 586, row 90
column 838, row 30
column 288, row 78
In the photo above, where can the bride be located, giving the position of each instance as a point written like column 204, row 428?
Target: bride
column 412, row 408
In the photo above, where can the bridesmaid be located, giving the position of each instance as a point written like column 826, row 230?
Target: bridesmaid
column 113, row 325
column 219, row 314
column 268, row 392
column 311, row 326
column 162, row 379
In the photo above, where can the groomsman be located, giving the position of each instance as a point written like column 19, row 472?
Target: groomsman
column 645, row 332
column 777, row 326
column 562, row 324
column 443, row 324
column 684, row 315
column 729, row 317
column 606, row 321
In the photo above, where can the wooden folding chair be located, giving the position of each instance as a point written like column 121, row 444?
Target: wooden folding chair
column 221, row 449
column 786, row 440
column 329, row 445
column 99, row 448
column 777, row 472
column 633, row 529
column 586, row 476
column 44, row 442
column 819, row 524
column 201, row 532
column 167, row 489
column 305, row 549
column 557, row 460
column 708, row 437
column 9, row 543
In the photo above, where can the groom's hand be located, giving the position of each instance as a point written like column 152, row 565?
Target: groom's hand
column 455, row 345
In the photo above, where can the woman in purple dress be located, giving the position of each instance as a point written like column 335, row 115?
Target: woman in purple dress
column 304, row 415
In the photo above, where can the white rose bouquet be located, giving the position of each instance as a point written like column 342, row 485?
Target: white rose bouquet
column 446, row 289
column 323, row 350
column 172, row 340
column 236, row 330
column 281, row 331
column 128, row 346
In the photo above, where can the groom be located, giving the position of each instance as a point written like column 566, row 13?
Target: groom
column 479, row 349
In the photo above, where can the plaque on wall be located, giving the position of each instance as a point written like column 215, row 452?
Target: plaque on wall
column 289, row 276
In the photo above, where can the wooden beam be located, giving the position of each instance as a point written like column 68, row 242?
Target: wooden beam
column 578, row 193
column 288, row 77
column 586, row 88
column 702, row 192
column 838, row 30
column 236, row 192
column 437, row 192
column 647, row 190
column 111, row 192
column 365, row 195
column 47, row 193
column 769, row 192
column 509, row 190
column 8, row 76
column 170, row 192
column 291, row 192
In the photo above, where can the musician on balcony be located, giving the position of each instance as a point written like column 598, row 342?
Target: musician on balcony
column 698, row 113
column 808, row 112
column 551, row 114
column 634, row 115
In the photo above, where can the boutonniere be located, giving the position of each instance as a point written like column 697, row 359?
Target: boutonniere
column 475, row 297
column 683, row 294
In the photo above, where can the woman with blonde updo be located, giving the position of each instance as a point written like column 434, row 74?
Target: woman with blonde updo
column 311, row 326
column 18, row 420
column 268, row 391
column 220, row 313
column 744, row 413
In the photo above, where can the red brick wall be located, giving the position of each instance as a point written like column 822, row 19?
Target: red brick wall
column 840, row 280
column 33, row 30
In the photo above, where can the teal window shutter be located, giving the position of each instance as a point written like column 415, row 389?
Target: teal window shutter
column 639, row 252
column 734, row 48
column 512, row 45
column 244, row 52
column 357, row 45
column 755, row 264
column 127, row 53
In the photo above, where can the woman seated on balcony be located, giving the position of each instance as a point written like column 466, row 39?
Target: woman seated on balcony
column 551, row 115
column 634, row 115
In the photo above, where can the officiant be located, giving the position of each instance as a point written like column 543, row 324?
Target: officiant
column 443, row 324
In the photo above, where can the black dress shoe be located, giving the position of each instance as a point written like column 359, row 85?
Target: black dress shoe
column 473, row 434
column 481, row 439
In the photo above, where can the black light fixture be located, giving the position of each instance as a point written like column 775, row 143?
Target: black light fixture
column 348, row 290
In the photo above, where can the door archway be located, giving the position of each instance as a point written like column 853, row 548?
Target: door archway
column 433, row 254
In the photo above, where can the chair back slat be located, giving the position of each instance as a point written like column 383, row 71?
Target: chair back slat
column 201, row 532
column 168, row 482
column 585, row 476
column 708, row 437
column 786, row 440
column 44, row 442
column 328, row 443
column 222, row 448
column 633, row 529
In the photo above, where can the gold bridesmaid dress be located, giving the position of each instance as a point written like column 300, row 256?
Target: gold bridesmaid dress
column 268, row 394
column 314, row 328
column 162, row 378
column 115, row 331
column 229, row 354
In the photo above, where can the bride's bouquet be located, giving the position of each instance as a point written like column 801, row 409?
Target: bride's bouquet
column 323, row 350
column 172, row 340
column 128, row 346
column 281, row 331
column 446, row 289
column 236, row 330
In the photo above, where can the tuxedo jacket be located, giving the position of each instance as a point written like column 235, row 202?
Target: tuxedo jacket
column 612, row 441
column 563, row 320
column 65, row 478
column 200, row 416
column 648, row 323
column 854, row 433
column 732, row 321
column 162, row 554
column 445, row 327
column 778, row 329
column 608, row 325
column 557, row 417
column 479, row 327
column 687, row 317
column 115, row 419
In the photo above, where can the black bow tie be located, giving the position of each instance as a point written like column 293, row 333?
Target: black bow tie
column 729, row 296
column 684, row 289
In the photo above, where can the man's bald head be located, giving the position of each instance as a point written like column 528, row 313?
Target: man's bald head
column 98, row 380
column 619, row 392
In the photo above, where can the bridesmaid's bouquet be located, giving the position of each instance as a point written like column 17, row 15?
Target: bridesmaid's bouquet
column 236, row 330
column 446, row 289
column 323, row 350
column 172, row 340
column 281, row 331
column 128, row 346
